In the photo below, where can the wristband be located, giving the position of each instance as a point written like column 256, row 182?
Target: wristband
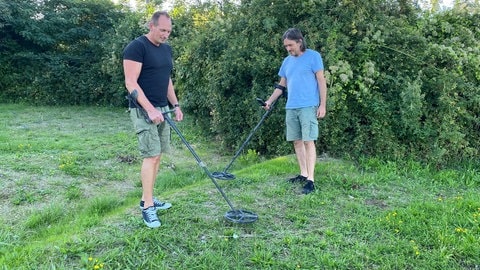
column 176, row 105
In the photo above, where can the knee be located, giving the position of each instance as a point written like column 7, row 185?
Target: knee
column 309, row 143
column 298, row 143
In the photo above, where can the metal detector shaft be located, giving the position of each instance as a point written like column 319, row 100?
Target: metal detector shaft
column 199, row 161
column 239, row 151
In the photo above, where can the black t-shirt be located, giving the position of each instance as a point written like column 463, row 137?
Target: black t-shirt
column 157, row 65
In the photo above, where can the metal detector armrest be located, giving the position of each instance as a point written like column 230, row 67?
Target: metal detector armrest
column 132, row 97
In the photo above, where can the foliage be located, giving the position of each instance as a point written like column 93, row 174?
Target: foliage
column 63, row 51
column 402, row 82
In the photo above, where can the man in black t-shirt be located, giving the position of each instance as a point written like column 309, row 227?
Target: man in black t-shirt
column 148, row 64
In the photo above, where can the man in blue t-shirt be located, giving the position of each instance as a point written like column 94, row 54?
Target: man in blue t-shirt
column 148, row 64
column 302, row 73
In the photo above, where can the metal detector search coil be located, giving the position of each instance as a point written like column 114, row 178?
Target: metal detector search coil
column 241, row 216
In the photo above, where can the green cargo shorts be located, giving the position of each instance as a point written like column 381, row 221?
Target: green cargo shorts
column 153, row 140
column 302, row 124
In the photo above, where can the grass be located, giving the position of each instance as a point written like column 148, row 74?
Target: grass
column 70, row 191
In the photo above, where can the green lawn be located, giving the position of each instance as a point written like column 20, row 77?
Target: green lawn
column 70, row 192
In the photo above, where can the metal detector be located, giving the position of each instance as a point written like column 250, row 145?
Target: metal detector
column 234, row 215
column 225, row 175
column 132, row 97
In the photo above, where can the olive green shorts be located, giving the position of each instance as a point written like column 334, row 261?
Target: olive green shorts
column 153, row 140
column 302, row 124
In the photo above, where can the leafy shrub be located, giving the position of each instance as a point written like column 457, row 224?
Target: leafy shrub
column 402, row 83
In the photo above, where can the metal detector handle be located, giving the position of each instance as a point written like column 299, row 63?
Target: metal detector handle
column 261, row 102
column 167, row 112
column 132, row 97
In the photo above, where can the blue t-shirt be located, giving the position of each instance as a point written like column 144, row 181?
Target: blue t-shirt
column 302, row 85
column 157, row 65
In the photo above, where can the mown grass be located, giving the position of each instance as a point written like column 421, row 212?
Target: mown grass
column 70, row 190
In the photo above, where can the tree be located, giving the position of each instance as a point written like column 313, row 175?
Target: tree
column 55, row 48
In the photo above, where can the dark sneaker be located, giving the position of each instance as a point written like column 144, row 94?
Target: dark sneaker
column 150, row 217
column 309, row 187
column 297, row 179
column 159, row 205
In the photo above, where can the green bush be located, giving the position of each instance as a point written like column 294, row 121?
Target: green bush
column 62, row 52
column 402, row 82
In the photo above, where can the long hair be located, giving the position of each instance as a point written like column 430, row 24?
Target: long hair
column 296, row 35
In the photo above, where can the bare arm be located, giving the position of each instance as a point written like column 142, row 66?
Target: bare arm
column 322, row 89
column 172, row 98
column 276, row 93
column 132, row 70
